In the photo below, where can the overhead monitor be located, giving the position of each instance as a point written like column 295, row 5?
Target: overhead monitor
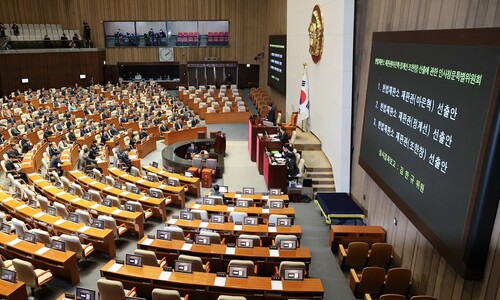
column 276, row 73
column 25, row 80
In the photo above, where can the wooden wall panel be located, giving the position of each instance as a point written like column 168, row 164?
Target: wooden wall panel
column 431, row 273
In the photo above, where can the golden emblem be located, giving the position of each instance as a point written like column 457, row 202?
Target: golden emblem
column 316, row 34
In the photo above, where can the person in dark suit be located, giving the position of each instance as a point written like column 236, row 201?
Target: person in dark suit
column 282, row 135
column 143, row 134
column 178, row 125
column 113, row 131
column 271, row 115
column 124, row 159
column 192, row 150
column 123, row 119
column 105, row 135
column 56, row 163
column 12, row 153
column 26, row 144
column 163, row 126
column 11, row 166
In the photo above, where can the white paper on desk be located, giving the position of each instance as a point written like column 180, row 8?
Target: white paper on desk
column 59, row 222
column 83, row 228
column 220, row 281
column 13, row 242
column 237, row 195
column 271, row 229
column 162, row 186
column 230, row 250
column 38, row 215
column 265, row 197
column 42, row 250
column 60, row 194
column 124, row 193
column 116, row 211
column 48, row 187
column 203, row 224
column 143, row 198
column 38, row 180
column 93, row 182
column 274, row 252
column 21, row 206
column 196, row 206
column 141, row 180
column 108, row 188
column 124, row 175
column 75, row 200
column 115, row 267
column 276, row 285
column 238, row 227
column 165, row 275
column 265, row 210
column 94, row 206
column 172, row 221
column 147, row 242
column 230, row 208
column 186, row 246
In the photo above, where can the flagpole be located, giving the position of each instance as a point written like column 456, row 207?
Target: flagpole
column 304, row 125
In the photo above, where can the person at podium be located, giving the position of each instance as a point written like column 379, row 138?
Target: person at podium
column 192, row 150
column 271, row 115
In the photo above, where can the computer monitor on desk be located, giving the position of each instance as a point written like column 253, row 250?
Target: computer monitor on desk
column 248, row 191
column 294, row 274
column 58, row 245
column 84, row 294
column 8, row 275
column 5, row 229
column 288, row 245
column 163, row 235
column 183, row 266
column 133, row 260
column 238, row 271
column 275, row 192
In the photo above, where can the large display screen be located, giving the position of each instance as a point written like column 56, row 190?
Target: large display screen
column 428, row 135
column 166, row 33
column 276, row 73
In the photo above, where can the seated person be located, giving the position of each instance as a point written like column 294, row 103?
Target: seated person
column 26, row 144
column 63, row 144
column 13, row 153
column 2, row 139
column 53, row 149
column 143, row 134
column 192, row 150
column 282, row 135
column 163, row 126
column 56, row 163
column 113, row 131
column 125, row 159
column 11, row 166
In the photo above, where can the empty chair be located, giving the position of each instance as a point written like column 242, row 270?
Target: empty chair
column 134, row 171
column 293, row 138
column 228, row 297
column 251, row 267
column 97, row 174
column 286, row 237
column 110, row 222
column 370, row 281
column 256, row 239
column 236, row 216
column 61, row 210
column 387, row 297
column 20, row 227
column 199, row 214
column 273, row 218
column 73, row 244
column 380, row 255
column 33, row 278
column 42, row 236
column 153, row 176
column 197, row 263
column 95, row 196
column 149, row 258
column 112, row 290
column 163, row 294
column 218, row 200
column 130, row 186
column 115, row 202
column 5, row 263
column 78, row 189
column 43, row 202
column 65, row 182
column 214, row 237
column 110, row 180
column 138, row 208
column 398, row 281
column 354, row 256
column 284, row 265
column 159, row 192
column 176, row 233
column 83, row 216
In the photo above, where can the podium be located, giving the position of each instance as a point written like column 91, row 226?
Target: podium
column 220, row 143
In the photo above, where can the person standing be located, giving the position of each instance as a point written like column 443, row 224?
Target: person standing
column 271, row 115
column 86, row 34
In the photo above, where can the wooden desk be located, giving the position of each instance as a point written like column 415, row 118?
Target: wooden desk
column 176, row 193
column 13, row 291
column 344, row 234
column 201, row 285
column 87, row 139
column 193, row 183
column 133, row 220
column 220, row 255
column 263, row 143
column 259, row 211
column 172, row 137
column 276, row 176
column 61, row 264
column 56, row 138
column 146, row 147
column 227, row 117
column 230, row 231
column 158, row 206
column 258, row 198
column 119, row 138
column 102, row 239
column 253, row 130
column 32, row 160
